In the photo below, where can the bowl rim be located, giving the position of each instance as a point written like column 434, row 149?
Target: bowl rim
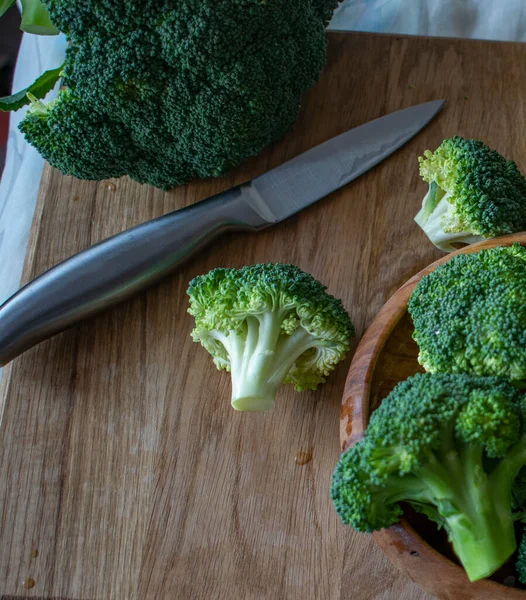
column 406, row 549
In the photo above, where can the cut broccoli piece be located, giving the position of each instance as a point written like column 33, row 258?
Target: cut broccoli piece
column 428, row 444
column 267, row 325
column 470, row 314
column 474, row 194
column 168, row 91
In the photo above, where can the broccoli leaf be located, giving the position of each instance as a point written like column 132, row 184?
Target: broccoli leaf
column 5, row 5
column 39, row 88
column 35, row 19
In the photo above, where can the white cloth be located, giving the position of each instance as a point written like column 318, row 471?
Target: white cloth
column 23, row 166
column 483, row 19
column 503, row 20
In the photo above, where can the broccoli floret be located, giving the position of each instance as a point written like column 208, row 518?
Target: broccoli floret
column 267, row 325
column 169, row 91
column 429, row 444
column 470, row 314
column 474, row 194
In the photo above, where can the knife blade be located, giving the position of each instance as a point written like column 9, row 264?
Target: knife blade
column 121, row 266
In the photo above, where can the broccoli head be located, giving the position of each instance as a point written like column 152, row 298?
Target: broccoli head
column 470, row 314
column 267, row 325
column 451, row 446
column 167, row 91
column 474, row 194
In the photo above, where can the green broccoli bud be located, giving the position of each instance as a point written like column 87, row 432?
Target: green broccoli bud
column 267, row 325
column 470, row 314
column 474, row 194
column 177, row 90
column 429, row 444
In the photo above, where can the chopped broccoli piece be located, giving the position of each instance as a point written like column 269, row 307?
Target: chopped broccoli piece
column 428, row 444
column 267, row 325
column 168, row 91
column 470, row 314
column 474, row 194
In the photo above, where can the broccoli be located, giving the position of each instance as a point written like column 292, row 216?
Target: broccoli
column 474, row 194
column 168, row 91
column 450, row 445
column 470, row 314
column 267, row 325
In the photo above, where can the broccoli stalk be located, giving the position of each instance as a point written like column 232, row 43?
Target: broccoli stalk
column 268, row 325
column 437, row 219
column 430, row 444
column 475, row 507
column 474, row 194
column 260, row 358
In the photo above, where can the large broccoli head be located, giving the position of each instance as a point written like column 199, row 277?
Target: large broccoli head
column 167, row 91
column 474, row 194
column 267, row 325
column 450, row 445
column 470, row 314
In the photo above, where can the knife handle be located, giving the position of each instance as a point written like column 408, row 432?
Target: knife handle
column 117, row 268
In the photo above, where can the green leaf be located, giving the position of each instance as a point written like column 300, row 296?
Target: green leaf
column 5, row 4
column 39, row 88
column 35, row 18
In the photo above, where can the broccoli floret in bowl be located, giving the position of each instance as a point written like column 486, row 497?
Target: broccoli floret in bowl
column 470, row 314
column 451, row 446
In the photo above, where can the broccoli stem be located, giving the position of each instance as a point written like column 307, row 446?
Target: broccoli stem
column 435, row 210
column 260, row 359
column 505, row 473
column 476, row 509
column 482, row 542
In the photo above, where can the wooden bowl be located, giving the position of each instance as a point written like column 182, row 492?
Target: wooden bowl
column 386, row 355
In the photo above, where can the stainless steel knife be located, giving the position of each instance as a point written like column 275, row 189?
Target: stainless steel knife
column 123, row 265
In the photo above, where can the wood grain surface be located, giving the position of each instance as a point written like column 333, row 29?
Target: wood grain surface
column 121, row 460
column 386, row 355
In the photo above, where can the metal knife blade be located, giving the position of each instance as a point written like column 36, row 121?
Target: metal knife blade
column 314, row 174
column 125, row 264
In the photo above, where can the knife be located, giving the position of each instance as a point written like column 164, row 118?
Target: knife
column 121, row 266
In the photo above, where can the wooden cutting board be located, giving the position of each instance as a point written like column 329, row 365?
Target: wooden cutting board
column 124, row 472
